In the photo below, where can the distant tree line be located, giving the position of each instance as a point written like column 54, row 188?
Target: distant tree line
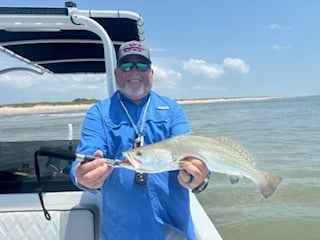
column 84, row 101
column 77, row 101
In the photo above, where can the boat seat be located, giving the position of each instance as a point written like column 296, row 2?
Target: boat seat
column 68, row 224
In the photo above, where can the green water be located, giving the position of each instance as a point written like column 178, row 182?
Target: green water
column 283, row 135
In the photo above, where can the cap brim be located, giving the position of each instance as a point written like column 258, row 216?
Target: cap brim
column 138, row 55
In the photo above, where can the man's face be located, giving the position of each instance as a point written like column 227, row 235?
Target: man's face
column 135, row 82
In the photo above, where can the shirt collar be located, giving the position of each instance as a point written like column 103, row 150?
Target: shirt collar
column 126, row 100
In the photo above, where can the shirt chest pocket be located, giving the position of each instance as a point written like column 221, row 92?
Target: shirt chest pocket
column 120, row 137
column 158, row 127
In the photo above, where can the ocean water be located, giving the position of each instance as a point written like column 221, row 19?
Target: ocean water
column 283, row 135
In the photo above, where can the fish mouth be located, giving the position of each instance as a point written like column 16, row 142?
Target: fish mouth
column 135, row 163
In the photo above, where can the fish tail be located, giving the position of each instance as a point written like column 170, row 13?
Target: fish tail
column 269, row 184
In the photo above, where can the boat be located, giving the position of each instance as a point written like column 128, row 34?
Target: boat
column 50, row 40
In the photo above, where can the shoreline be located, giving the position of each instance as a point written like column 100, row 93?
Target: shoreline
column 220, row 100
column 43, row 108
column 6, row 110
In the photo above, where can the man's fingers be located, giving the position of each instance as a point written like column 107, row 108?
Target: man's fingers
column 185, row 177
column 193, row 172
column 92, row 174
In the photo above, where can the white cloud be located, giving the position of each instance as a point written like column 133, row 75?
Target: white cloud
column 165, row 73
column 276, row 26
column 236, row 64
column 19, row 80
column 50, row 82
column 280, row 47
column 166, row 78
column 158, row 50
column 201, row 67
column 208, row 88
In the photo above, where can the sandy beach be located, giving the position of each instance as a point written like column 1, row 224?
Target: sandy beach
column 42, row 108
column 57, row 108
column 218, row 100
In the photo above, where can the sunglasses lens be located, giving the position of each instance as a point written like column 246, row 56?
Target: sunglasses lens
column 126, row 67
column 141, row 67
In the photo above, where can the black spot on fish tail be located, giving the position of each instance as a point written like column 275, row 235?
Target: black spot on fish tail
column 269, row 185
column 234, row 179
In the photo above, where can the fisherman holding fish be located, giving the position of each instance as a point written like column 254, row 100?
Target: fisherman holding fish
column 137, row 205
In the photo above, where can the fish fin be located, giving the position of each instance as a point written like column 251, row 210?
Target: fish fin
column 238, row 148
column 269, row 185
column 234, row 179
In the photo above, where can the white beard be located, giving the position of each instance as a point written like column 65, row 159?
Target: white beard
column 135, row 94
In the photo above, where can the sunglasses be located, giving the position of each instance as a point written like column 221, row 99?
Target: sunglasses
column 141, row 67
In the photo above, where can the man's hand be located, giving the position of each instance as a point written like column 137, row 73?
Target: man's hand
column 194, row 171
column 92, row 174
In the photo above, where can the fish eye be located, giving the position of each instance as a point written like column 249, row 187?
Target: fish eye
column 139, row 153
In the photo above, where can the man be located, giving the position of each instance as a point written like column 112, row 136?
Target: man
column 135, row 205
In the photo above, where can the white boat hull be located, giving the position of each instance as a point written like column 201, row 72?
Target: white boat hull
column 74, row 215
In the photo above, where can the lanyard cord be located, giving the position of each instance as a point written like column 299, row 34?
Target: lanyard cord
column 140, row 178
column 144, row 116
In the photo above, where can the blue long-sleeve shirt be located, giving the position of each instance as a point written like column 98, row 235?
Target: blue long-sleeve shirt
column 130, row 210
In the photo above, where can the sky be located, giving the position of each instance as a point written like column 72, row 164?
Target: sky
column 201, row 49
